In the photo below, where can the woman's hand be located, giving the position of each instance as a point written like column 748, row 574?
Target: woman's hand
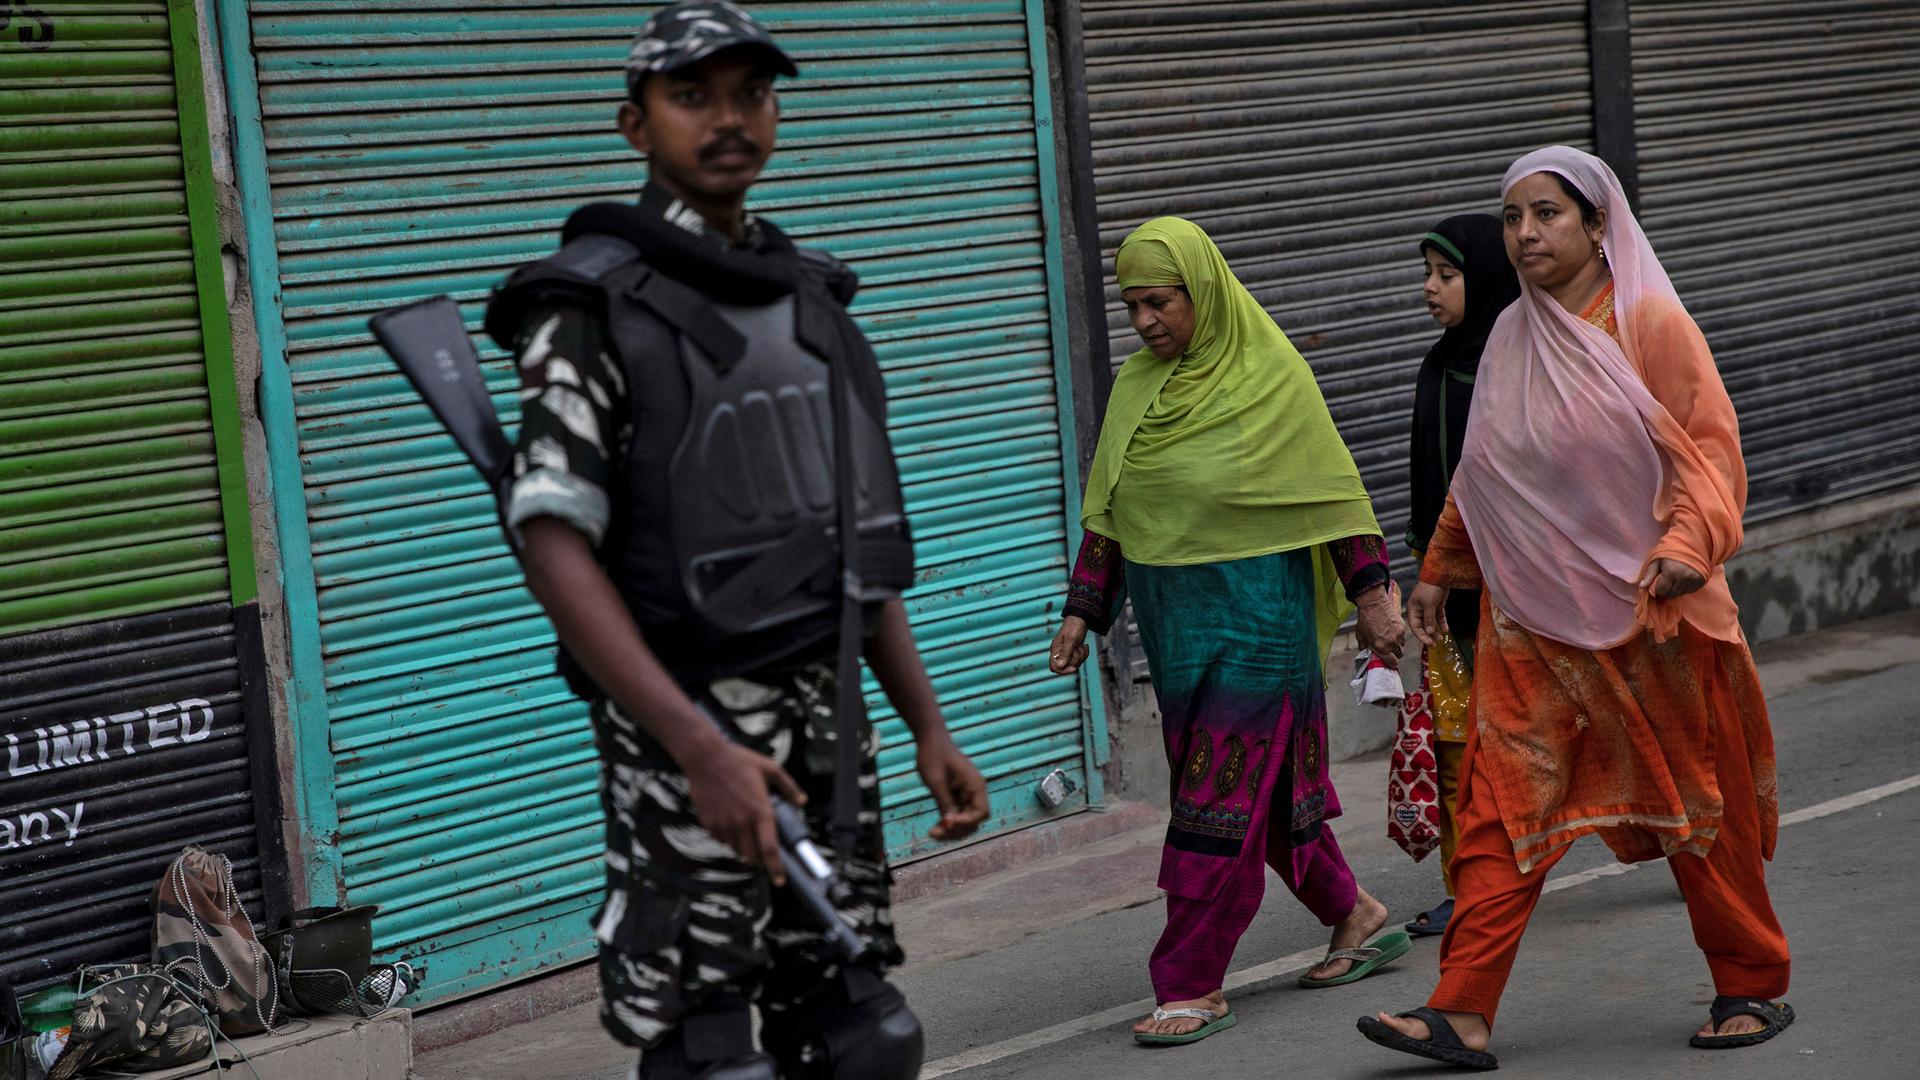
column 1666, row 578
column 1427, row 612
column 1380, row 628
column 1069, row 646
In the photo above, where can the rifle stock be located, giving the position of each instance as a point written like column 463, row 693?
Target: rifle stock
column 429, row 342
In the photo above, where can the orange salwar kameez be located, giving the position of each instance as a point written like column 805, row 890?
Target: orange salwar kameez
column 1663, row 749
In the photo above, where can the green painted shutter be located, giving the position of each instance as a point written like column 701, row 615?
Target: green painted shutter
column 432, row 148
column 109, row 492
column 132, row 707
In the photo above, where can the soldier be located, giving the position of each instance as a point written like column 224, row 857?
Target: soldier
column 695, row 395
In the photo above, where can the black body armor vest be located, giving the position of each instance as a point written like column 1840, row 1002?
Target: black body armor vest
column 723, row 539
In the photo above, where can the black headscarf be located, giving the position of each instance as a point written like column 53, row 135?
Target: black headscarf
column 1443, row 393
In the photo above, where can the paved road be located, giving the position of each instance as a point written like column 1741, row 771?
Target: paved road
column 1609, row 983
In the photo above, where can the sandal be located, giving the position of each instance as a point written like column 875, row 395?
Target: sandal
column 1441, row 1044
column 1385, row 950
column 1211, row 1022
column 1777, row 1017
column 1432, row 922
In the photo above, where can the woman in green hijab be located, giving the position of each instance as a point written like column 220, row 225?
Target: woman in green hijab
column 1222, row 500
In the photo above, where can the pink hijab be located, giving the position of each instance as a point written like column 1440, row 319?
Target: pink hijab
column 1577, row 472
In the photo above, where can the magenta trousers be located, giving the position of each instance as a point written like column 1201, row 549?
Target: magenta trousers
column 1190, row 961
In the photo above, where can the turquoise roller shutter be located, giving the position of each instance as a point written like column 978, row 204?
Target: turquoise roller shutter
column 429, row 148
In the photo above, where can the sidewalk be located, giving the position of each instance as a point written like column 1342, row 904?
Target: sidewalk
column 1061, row 942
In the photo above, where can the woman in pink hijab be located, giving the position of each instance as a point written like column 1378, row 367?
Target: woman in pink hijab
column 1598, row 496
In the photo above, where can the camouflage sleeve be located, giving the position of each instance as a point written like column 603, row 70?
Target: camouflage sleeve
column 572, row 410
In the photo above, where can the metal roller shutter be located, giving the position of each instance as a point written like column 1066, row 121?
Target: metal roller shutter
column 1779, row 148
column 109, row 493
column 429, row 147
column 1316, row 142
column 124, row 732
column 122, row 744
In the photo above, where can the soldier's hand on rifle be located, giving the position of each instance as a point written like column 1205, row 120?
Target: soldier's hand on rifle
column 730, row 789
column 958, row 788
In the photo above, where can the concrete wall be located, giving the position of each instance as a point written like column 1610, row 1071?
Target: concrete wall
column 1794, row 574
column 1832, row 565
column 1137, row 769
column 317, row 1048
column 246, row 364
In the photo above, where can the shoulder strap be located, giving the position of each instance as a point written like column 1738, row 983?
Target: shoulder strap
column 588, row 260
column 583, row 268
column 691, row 313
column 837, row 276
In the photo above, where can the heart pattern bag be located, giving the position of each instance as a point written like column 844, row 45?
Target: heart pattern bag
column 1413, row 774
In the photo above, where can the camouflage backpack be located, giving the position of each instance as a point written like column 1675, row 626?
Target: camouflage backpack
column 202, row 935
column 137, row 1019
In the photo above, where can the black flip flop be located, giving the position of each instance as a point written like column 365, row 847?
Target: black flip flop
column 1437, row 918
column 1442, row 1044
column 1776, row 1017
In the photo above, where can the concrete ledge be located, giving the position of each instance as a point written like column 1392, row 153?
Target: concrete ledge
column 1004, row 850
column 1831, row 565
column 320, row 1048
column 514, row 1003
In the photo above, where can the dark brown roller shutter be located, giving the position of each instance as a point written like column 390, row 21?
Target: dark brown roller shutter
column 120, row 742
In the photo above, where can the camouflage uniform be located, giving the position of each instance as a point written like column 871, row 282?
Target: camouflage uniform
column 138, row 1019
column 684, row 921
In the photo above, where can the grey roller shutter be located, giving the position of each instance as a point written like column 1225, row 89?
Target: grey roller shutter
column 1780, row 183
column 1316, row 142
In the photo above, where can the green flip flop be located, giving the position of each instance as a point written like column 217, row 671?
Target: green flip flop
column 1385, row 950
column 1213, row 1022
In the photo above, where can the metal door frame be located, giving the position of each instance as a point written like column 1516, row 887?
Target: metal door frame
column 317, row 875
column 1093, row 727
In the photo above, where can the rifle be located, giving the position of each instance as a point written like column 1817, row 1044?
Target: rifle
column 429, row 342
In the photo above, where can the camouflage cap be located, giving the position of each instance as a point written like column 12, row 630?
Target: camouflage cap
column 692, row 30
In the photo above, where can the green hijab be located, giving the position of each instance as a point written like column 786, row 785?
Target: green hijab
column 1227, row 452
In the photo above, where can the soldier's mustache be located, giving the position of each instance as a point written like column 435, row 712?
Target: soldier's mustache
column 730, row 144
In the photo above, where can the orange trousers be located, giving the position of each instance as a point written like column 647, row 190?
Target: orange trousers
column 1726, row 892
column 1449, row 755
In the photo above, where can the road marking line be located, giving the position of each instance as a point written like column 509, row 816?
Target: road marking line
column 1568, row 881
column 1848, row 802
column 1034, row 1040
column 1133, row 1010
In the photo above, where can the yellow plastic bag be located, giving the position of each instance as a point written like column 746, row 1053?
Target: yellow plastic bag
column 1450, row 686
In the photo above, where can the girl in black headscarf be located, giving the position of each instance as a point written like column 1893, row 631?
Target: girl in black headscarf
column 1468, row 283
